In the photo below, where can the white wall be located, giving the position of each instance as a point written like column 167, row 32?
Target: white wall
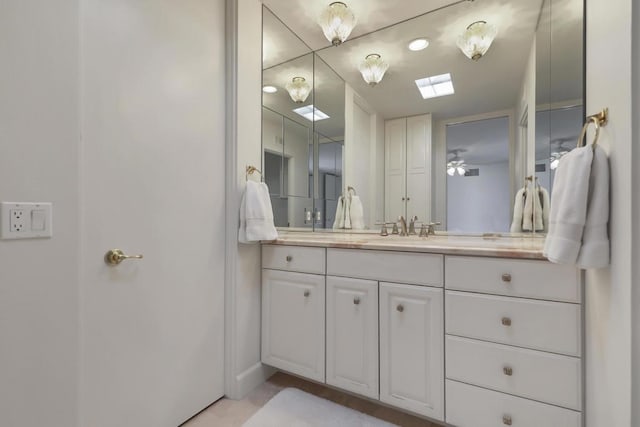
column 39, row 162
column 243, row 288
column 608, row 291
column 635, row 394
column 524, row 147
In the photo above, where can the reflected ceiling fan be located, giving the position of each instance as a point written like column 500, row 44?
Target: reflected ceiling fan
column 456, row 165
column 560, row 151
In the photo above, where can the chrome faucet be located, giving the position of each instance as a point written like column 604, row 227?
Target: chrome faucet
column 403, row 226
column 412, row 225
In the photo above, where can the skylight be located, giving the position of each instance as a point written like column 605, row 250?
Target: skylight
column 434, row 86
column 311, row 113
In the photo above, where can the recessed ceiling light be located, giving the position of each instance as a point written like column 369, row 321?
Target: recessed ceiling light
column 434, row 86
column 269, row 89
column 418, row 44
column 311, row 113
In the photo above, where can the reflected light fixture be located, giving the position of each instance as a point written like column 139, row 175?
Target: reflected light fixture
column 337, row 22
column 311, row 113
column 418, row 44
column 477, row 39
column 269, row 89
column 373, row 69
column 298, row 89
column 555, row 159
column 435, row 86
column 456, row 165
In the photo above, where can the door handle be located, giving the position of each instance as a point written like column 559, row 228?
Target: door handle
column 116, row 256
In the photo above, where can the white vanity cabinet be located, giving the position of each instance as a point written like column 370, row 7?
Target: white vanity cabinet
column 411, row 348
column 293, row 322
column 513, row 343
column 352, row 335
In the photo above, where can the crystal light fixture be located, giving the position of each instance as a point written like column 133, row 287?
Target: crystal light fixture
column 373, row 69
column 477, row 39
column 298, row 89
column 337, row 22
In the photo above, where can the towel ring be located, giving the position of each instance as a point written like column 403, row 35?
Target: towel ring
column 599, row 119
column 350, row 188
column 250, row 170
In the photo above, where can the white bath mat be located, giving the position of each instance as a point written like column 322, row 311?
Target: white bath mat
column 295, row 408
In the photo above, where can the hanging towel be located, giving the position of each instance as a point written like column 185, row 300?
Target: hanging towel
column 339, row 221
column 356, row 213
column 569, row 206
column 347, row 211
column 256, row 214
column 518, row 210
column 546, row 204
column 527, row 214
column 594, row 252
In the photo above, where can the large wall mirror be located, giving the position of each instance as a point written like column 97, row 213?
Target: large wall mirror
column 441, row 136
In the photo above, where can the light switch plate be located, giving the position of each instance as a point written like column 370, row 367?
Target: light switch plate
column 20, row 220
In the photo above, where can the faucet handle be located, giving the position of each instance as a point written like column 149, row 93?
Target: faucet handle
column 412, row 225
column 431, row 227
column 424, row 230
column 394, row 230
column 383, row 229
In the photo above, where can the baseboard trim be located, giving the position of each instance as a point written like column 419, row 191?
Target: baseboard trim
column 248, row 380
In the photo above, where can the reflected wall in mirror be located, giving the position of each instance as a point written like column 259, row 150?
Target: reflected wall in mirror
column 497, row 118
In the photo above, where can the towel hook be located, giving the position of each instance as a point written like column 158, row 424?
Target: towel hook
column 599, row 119
column 350, row 188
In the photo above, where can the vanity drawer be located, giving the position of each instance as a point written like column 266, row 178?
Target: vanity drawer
column 294, row 258
column 386, row 266
column 470, row 406
column 547, row 377
column 518, row 278
column 541, row 325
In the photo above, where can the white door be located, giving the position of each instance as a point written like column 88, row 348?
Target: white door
column 418, row 171
column 293, row 322
column 395, row 160
column 412, row 349
column 352, row 335
column 152, row 184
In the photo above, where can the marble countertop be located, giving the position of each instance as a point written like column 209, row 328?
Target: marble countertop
column 525, row 247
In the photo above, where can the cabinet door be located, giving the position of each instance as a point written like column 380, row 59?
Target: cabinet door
column 411, row 348
column 418, row 172
column 293, row 322
column 395, row 162
column 352, row 335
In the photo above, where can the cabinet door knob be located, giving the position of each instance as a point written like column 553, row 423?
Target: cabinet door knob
column 289, row 258
column 356, row 300
column 408, row 198
column 403, row 199
column 506, row 420
column 400, row 308
column 506, row 321
column 508, row 371
column 307, row 293
column 506, row 277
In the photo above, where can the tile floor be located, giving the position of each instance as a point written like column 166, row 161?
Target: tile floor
column 233, row 413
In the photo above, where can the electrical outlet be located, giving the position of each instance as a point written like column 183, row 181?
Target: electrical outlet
column 25, row 220
column 17, row 221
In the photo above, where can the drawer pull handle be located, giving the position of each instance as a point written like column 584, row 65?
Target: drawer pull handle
column 506, row 277
column 307, row 293
column 356, row 300
column 400, row 308
column 506, row 420
column 289, row 258
column 508, row 371
column 506, row 321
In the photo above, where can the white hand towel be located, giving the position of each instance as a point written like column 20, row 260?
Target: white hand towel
column 594, row 252
column 546, row 204
column 347, row 212
column 537, row 209
column 257, row 222
column 527, row 214
column 356, row 213
column 518, row 210
column 569, row 206
column 339, row 221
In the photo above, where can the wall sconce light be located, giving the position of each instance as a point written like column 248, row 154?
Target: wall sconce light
column 298, row 89
column 337, row 22
column 477, row 39
column 373, row 69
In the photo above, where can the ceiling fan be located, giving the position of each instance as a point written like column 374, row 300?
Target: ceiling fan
column 456, row 164
column 560, row 151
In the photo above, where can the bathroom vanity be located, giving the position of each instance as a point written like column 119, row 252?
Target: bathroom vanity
column 462, row 330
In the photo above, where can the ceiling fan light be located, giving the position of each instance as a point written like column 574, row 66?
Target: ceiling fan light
column 461, row 171
column 477, row 39
column 298, row 89
column 373, row 69
column 451, row 171
column 337, row 22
